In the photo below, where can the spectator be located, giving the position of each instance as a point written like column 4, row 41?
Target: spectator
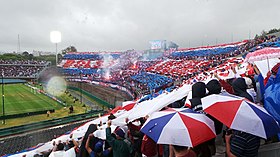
column 48, row 113
column 198, row 92
column 242, row 144
column 250, row 88
column 135, row 135
column 149, row 147
column 83, row 152
column 120, row 147
column 59, row 151
column 98, row 148
column 226, row 84
column 240, row 89
column 214, row 87
column 181, row 151
column 71, row 109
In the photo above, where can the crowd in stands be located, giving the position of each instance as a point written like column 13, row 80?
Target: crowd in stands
column 21, row 62
column 153, row 81
column 181, row 65
column 20, row 71
column 119, row 73
column 128, row 140
column 82, row 56
column 203, row 52
column 22, row 68
column 158, row 77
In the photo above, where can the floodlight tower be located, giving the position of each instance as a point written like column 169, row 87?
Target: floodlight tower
column 55, row 37
column 3, row 99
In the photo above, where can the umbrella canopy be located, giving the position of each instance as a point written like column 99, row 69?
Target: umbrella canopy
column 263, row 54
column 182, row 127
column 240, row 114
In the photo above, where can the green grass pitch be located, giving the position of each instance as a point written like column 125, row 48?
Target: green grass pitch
column 20, row 98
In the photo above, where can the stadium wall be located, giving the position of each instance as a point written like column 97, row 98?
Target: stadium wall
column 25, row 114
column 110, row 94
column 98, row 100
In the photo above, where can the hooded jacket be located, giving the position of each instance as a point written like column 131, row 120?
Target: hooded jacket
column 198, row 92
column 239, row 87
column 214, row 87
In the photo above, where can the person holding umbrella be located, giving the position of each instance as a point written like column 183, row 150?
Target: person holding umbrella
column 182, row 151
column 198, row 92
column 181, row 127
column 214, row 87
column 239, row 143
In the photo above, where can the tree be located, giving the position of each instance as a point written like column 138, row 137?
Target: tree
column 25, row 54
column 69, row 49
column 30, row 56
column 274, row 30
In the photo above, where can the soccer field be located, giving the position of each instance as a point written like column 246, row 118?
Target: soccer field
column 21, row 99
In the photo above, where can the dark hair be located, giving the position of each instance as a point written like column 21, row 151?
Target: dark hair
column 111, row 117
column 199, row 90
column 179, row 148
column 60, row 146
column 214, row 87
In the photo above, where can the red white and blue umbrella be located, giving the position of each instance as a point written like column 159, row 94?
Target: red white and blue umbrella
column 263, row 54
column 182, row 127
column 240, row 114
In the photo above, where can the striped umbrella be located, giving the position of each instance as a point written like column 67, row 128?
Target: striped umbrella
column 182, row 127
column 240, row 114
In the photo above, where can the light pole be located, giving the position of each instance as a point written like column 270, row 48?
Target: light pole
column 81, row 95
column 55, row 37
column 3, row 101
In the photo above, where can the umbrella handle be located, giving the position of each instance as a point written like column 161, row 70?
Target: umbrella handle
column 268, row 63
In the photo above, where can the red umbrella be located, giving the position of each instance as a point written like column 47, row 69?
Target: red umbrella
column 262, row 54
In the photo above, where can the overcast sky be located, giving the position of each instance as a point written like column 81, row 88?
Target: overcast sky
column 118, row 25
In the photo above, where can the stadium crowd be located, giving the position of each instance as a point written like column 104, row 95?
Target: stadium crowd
column 181, row 66
column 21, row 62
column 140, row 144
column 21, row 68
column 129, row 139
column 163, row 76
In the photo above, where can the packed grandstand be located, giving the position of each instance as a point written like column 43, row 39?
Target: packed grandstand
column 150, row 86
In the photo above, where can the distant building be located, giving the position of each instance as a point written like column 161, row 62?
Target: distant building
column 158, row 49
column 42, row 53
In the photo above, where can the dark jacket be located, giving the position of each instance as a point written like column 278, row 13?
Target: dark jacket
column 198, row 92
column 119, row 146
column 214, row 87
column 239, row 87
